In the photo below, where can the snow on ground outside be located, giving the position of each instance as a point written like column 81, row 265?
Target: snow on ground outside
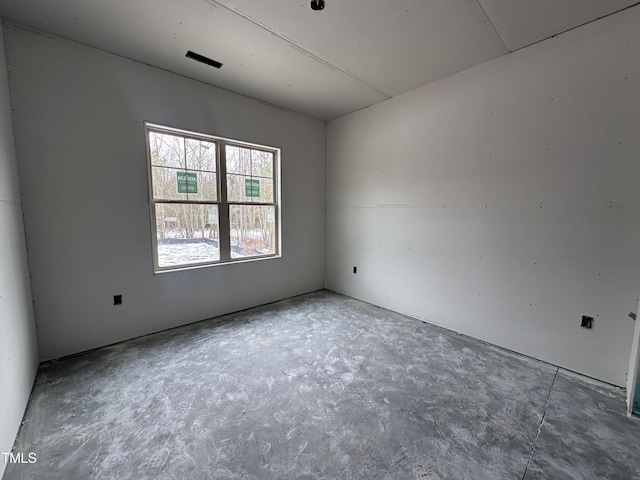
column 184, row 253
column 171, row 254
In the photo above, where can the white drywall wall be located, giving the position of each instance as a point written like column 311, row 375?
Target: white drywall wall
column 80, row 143
column 502, row 202
column 18, row 348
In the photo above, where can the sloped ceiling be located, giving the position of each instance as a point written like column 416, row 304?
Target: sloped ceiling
column 326, row 63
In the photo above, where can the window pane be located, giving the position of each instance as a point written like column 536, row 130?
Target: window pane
column 166, row 150
column 238, row 160
column 264, row 189
column 168, row 183
column 186, row 234
column 241, row 188
column 252, row 230
column 200, row 155
column 206, row 187
column 261, row 164
column 236, row 188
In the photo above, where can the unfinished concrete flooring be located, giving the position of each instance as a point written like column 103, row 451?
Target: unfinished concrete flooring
column 320, row 387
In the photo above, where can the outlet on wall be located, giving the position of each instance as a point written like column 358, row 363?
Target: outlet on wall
column 587, row 322
column 355, row 269
column 117, row 299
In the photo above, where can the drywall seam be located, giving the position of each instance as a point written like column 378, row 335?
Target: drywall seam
column 298, row 47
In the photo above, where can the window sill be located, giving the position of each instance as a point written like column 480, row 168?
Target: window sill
column 183, row 268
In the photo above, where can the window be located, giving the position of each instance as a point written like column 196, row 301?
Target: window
column 212, row 200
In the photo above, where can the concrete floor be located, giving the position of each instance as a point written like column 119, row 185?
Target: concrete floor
column 320, row 387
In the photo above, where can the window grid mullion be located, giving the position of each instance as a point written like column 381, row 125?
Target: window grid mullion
column 223, row 210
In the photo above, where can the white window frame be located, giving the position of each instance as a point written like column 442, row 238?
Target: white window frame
column 222, row 203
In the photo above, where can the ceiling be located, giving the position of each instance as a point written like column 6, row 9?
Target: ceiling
column 325, row 63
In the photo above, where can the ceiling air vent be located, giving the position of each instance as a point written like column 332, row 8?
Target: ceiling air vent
column 203, row 59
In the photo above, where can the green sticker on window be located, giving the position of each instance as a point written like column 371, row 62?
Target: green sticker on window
column 251, row 187
column 187, row 182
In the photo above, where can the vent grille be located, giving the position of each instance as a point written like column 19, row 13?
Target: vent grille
column 202, row 59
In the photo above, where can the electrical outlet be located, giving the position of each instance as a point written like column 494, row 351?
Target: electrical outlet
column 355, row 269
column 117, row 299
column 587, row 322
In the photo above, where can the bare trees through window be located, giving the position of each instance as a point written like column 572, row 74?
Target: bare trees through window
column 198, row 217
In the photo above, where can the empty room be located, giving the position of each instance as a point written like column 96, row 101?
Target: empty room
column 319, row 239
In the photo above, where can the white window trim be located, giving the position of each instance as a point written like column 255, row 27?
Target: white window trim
column 224, row 222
